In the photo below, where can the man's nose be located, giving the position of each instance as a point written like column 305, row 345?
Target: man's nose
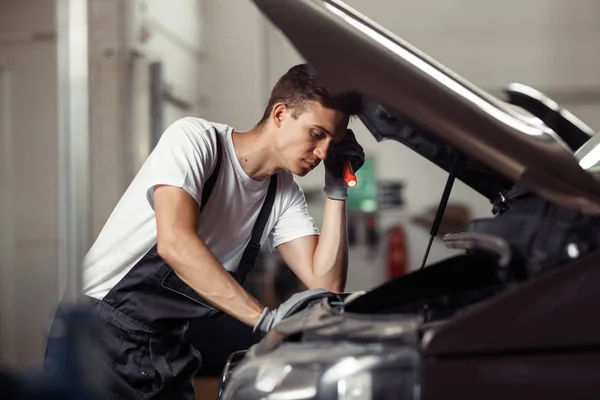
column 321, row 151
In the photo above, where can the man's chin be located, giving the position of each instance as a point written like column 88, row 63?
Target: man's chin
column 301, row 171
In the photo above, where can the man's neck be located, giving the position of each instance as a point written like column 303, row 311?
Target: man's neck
column 254, row 149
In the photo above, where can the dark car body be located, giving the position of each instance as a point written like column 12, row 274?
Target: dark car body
column 515, row 315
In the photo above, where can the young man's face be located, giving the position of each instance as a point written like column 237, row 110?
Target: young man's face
column 303, row 142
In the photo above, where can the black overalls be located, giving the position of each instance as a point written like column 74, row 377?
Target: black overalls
column 147, row 314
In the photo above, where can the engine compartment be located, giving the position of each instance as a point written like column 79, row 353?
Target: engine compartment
column 437, row 291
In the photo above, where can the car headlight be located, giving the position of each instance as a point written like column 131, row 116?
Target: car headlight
column 334, row 373
column 352, row 378
column 358, row 387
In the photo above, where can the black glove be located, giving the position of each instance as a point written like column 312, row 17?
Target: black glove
column 297, row 302
column 346, row 150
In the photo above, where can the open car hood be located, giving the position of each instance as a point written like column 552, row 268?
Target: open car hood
column 384, row 124
column 498, row 144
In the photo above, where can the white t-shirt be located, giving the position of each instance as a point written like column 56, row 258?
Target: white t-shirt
column 185, row 157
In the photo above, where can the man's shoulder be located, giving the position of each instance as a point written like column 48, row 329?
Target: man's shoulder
column 198, row 125
column 196, row 130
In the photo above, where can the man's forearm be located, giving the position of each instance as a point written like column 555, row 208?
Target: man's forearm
column 196, row 265
column 330, row 263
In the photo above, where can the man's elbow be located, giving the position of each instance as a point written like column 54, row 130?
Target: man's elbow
column 163, row 249
column 168, row 247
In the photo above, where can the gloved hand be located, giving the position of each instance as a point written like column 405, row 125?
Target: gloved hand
column 297, row 302
column 346, row 150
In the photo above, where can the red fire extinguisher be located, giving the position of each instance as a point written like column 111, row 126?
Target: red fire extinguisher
column 396, row 252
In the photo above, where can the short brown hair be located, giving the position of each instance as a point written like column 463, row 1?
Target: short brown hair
column 300, row 84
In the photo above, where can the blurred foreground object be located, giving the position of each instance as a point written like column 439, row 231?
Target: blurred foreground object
column 70, row 373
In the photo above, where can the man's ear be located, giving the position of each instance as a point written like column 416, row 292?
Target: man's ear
column 279, row 113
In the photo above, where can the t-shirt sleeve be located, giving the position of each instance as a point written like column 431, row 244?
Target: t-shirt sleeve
column 294, row 222
column 184, row 157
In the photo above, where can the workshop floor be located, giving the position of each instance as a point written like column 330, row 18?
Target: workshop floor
column 206, row 388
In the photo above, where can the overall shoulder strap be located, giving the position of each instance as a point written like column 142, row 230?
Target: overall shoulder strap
column 253, row 248
column 212, row 179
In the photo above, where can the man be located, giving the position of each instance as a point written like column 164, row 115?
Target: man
column 187, row 230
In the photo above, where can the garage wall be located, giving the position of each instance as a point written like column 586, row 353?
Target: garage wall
column 237, row 70
column 173, row 33
column 28, row 178
column 126, row 38
column 549, row 44
column 110, row 107
column 212, row 55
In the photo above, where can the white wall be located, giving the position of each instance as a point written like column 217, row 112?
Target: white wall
column 29, row 178
column 173, row 33
column 126, row 37
column 213, row 55
column 548, row 44
column 110, row 107
column 236, row 55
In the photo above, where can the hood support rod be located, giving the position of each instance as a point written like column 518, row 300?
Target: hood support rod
column 443, row 203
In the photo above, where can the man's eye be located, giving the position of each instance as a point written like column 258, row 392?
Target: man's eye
column 318, row 135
